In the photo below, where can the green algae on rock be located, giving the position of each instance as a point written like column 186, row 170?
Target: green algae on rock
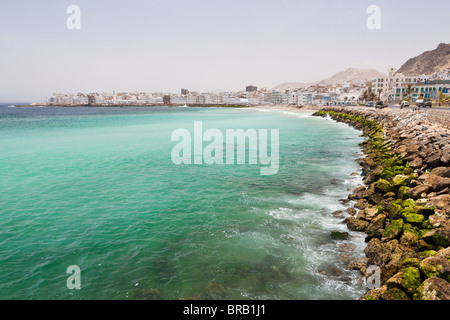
column 415, row 227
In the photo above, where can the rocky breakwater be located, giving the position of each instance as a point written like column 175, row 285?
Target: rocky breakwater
column 404, row 204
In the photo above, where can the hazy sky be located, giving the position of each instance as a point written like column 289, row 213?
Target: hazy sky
column 202, row 45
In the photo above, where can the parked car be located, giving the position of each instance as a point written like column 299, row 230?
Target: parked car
column 369, row 104
column 424, row 103
column 427, row 103
column 380, row 105
column 404, row 104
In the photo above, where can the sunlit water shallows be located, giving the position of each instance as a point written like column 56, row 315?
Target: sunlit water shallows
column 96, row 188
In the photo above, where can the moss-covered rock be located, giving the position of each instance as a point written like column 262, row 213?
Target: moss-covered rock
column 426, row 211
column 433, row 289
column 409, row 206
column 408, row 230
column 401, row 180
column 425, row 254
column 445, row 253
column 410, row 262
column 439, row 236
column 408, row 280
column 390, row 195
column 393, row 229
column 411, row 229
column 435, row 266
column 411, row 279
column 383, row 186
column 402, row 192
column 336, row 235
column 414, row 218
column 426, row 225
column 395, row 210
column 374, row 294
column 395, row 294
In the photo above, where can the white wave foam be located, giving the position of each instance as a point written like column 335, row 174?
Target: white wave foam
column 282, row 214
column 317, row 201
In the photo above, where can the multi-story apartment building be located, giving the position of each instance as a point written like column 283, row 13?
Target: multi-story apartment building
column 383, row 86
column 276, row 97
column 428, row 90
column 304, row 98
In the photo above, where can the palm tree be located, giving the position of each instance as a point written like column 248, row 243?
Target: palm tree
column 368, row 95
column 442, row 97
column 409, row 90
column 365, row 95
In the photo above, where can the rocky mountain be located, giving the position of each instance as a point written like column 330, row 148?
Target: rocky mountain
column 292, row 86
column 351, row 75
column 428, row 62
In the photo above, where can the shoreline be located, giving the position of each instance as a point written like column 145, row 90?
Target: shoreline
column 132, row 105
column 244, row 106
column 404, row 205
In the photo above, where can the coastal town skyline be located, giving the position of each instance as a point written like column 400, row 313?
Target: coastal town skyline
column 364, row 86
column 163, row 46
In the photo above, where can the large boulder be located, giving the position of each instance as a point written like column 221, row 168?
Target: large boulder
column 445, row 253
column 411, row 240
column 433, row 160
column 337, row 235
column 435, row 266
column 363, row 193
column 351, row 211
column 401, row 180
column 414, row 218
column 441, row 171
column 395, row 294
column 356, row 224
column 439, row 236
column 376, row 227
column 430, row 179
column 417, row 191
column 445, row 159
column 367, row 214
column 433, row 289
column 441, row 184
column 442, row 202
column 383, row 186
column 408, row 280
column 393, row 229
column 361, row 204
column 377, row 252
column 416, row 162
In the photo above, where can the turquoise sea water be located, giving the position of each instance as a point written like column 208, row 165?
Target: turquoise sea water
column 97, row 188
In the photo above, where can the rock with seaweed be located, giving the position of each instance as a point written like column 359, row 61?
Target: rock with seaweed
column 406, row 176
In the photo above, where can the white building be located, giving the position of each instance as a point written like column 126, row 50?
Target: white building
column 383, row 86
column 304, row 98
column 430, row 90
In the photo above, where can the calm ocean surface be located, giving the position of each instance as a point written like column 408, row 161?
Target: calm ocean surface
column 96, row 188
